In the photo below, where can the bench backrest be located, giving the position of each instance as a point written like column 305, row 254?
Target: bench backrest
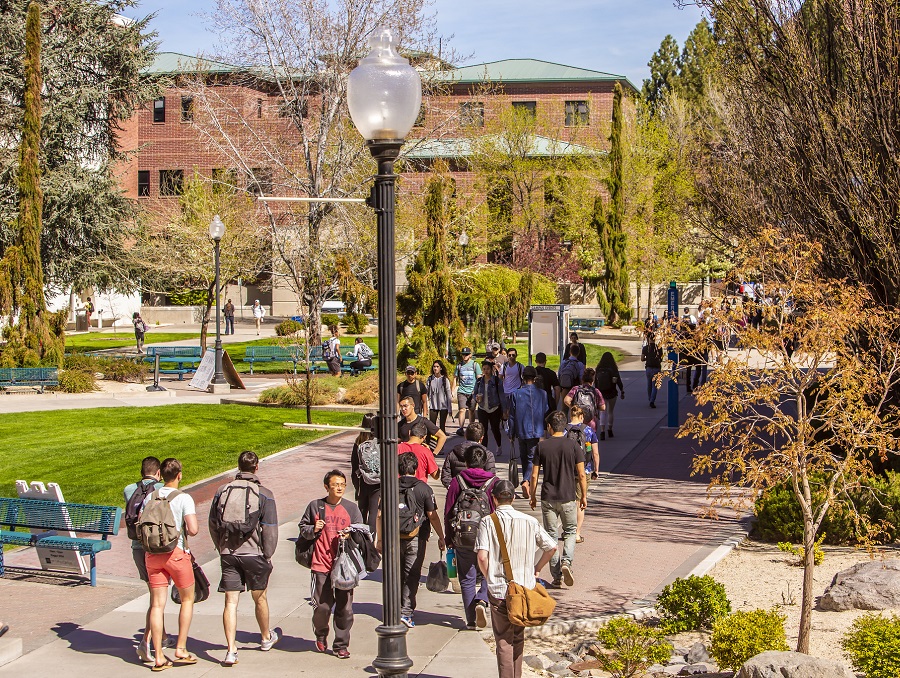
column 271, row 352
column 315, row 353
column 12, row 374
column 53, row 515
column 174, row 351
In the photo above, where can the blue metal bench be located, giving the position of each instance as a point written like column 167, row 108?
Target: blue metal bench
column 53, row 516
column 29, row 376
column 270, row 354
column 185, row 357
column 586, row 324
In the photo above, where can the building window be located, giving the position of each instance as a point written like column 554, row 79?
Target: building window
column 526, row 108
column 471, row 114
column 224, row 181
column 143, row 183
column 577, row 113
column 187, row 109
column 260, row 181
column 259, row 108
column 159, row 110
column 170, row 182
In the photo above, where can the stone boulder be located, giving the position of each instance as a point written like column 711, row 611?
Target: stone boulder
column 792, row 665
column 873, row 585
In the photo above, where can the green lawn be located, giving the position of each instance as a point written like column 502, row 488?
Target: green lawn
column 94, row 453
column 237, row 350
column 98, row 341
column 593, row 352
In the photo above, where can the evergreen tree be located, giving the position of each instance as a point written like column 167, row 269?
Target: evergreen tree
column 695, row 64
column 664, row 67
column 36, row 336
column 613, row 290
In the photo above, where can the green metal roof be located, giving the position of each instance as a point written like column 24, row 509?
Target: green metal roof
column 173, row 63
column 527, row 70
column 543, row 147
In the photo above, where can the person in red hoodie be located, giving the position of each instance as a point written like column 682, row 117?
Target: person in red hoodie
column 468, row 501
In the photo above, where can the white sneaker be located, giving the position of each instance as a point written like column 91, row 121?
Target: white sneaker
column 274, row 637
column 567, row 574
column 145, row 653
column 230, row 659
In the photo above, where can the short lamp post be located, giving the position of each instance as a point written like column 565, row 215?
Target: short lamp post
column 384, row 94
column 218, row 385
column 463, row 244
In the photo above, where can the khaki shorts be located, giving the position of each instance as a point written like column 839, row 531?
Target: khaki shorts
column 578, row 494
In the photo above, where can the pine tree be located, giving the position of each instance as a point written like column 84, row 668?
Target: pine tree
column 613, row 290
column 37, row 336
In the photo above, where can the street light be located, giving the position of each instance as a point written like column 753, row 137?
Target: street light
column 463, row 243
column 218, row 385
column 384, row 95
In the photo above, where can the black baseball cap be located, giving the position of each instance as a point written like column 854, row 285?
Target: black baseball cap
column 467, row 351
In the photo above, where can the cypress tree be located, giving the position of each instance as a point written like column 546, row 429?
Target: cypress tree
column 613, row 292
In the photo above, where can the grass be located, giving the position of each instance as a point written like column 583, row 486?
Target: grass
column 93, row 454
column 97, row 341
column 593, row 351
column 237, row 350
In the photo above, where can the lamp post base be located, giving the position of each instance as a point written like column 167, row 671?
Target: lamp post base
column 219, row 389
column 392, row 659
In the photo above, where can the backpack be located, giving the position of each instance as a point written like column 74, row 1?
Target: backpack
column 471, row 506
column 586, row 399
column 370, row 462
column 364, row 352
column 604, row 380
column 133, row 507
column 575, row 433
column 156, row 526
column 326, row 349
column 568, row 374
column 237, row 512
column 409, row 517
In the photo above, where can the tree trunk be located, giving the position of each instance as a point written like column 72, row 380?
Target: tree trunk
column 637, row 294
column 809, row 540
column 204, row 323
column 649, row 296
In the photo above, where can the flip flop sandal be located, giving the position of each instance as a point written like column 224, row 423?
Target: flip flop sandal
column 4, row 629
column 185, row 661
column 163, row 667
column 579, row 540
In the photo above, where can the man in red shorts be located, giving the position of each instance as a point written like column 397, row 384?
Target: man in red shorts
column 174, row 566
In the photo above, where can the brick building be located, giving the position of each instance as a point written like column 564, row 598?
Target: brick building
column 573, row 105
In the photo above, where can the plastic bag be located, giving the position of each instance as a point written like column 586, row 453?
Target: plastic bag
column 347, row 568
column 438, row 579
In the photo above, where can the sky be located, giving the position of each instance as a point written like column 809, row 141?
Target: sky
column 614, row 36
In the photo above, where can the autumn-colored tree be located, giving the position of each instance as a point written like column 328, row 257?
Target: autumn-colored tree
column 804, row 402
column 33, row 334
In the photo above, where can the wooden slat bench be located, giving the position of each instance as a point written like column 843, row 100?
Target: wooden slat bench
column 53, row 516
column 273, row 354
column 186, row 358
column 29, row 376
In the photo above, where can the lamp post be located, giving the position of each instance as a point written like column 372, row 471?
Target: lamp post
column 463, row 243
column 218, row 385
column 384, row 94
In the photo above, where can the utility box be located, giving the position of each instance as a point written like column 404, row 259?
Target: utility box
column 81, row 321
column 548, row 329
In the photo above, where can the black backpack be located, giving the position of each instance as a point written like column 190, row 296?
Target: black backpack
column 409, row 516
column 326, row 349
column 604, row 380
column 237, row 512
column 586, row 399
column 471, row 506
column 133, row 508
column 569, row 374
column 576, row 433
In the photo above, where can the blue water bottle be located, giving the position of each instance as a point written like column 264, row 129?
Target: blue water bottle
column 451, row 563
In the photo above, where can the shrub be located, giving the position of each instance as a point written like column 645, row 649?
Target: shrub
column 873, row 645
column 363, row 390
column 692, row 604
column 287, row 328
column 77, row 381
column 330, row 320
column 632, row 647
column 80, row 361
column 356, row 323
column 124, row 370
column 742, row 635
column 800, row 551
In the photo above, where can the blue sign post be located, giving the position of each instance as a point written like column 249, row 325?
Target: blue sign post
column 672, row 307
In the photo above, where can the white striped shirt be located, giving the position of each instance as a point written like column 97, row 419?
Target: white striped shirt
column 525, row 538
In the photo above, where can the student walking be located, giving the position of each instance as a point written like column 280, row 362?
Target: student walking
column 439, row 395
column 140, row 328
column 365, row 472
column 408, row 417
column 327, row 521
column 415, row 389
column 547, row 379
column 164, row 507
column 527, row 407
column 524, row 537
column 228, row 312
column 588, row 398
column 584, row 436
column 456, row 458
column 651, row 354
column 464, row 377
column 243, row 524
column 563, row 464
column 150, row 481
column 491, row 402
column 427, row 467
column 609, row 383
column 258, row 314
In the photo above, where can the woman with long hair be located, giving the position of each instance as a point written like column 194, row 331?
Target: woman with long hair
column 490, row 398
column 440, row 397
column 368, row 495
column 609, row 383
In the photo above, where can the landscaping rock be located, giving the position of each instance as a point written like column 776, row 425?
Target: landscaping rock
column 697, row 654
column 558, row 668
column 693, row 669
column 554, row 657
column 680, row 651
column 585, row 665
column 678, row 659
column 656, row 668
column 538, row 662
column 865, row 586
column 792, row 665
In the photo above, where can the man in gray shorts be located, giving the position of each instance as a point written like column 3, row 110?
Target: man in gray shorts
column 150, row 480
column 243, row 524
column 464, row 377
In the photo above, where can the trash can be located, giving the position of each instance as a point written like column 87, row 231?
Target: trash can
column 81, row 321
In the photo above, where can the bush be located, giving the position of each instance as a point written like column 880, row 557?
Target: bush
column 632, row 647
column 800, row 551
column 742, row 635
column 124, row 370
column 363, row 390
column 77, row 381
column 287, row 328
column 80, row 361
column 357, row 323
column 692, row 604
column 330, row 320
column 873, row 645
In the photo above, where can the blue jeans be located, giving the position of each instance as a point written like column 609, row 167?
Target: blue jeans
column 229, row 323
column 553, row 513
column 652, row 389
column 527, row 448
column 467, row 570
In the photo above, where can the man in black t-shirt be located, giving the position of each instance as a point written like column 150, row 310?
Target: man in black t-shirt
column 408, row 417
column 549, row 380
column 563, row 490
column 415, row 389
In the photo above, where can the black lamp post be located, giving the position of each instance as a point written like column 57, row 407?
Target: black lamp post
column 216, row 231
column 384, row 94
